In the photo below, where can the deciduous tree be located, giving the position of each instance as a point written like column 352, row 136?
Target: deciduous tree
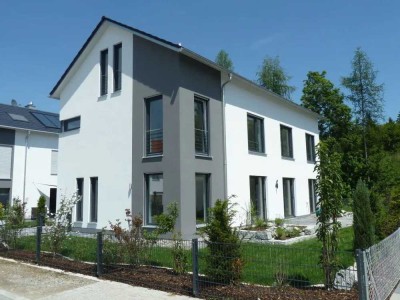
column 222, row 59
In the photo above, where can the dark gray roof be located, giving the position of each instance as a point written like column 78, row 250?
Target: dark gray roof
column 36, row 119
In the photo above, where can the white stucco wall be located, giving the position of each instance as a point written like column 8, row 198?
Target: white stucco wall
column 102, row 146
column 39, row 179
column 242, row 99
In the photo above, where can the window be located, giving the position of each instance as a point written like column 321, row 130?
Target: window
column 17, row 117
column 4, row 196
column 257, row 197
column 255, row 133
column 310, row 147
column 79, row 204
column 71, row 124
column 286, row 142
column 117, row 67
column 54, row 159
column 154, row 197
column 93, row 198
column 103, row 72
column 312, row 194
column 5, row 162
column 154, row 126
column 288, row 197
column 201, row 138
column 202, row 197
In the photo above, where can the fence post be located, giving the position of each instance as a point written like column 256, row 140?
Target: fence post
column 99, row 254
column 195, row 264
column 39, row 238
column 362, row 274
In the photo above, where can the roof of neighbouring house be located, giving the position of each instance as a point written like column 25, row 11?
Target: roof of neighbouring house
column 17, row 117
column 175, row 47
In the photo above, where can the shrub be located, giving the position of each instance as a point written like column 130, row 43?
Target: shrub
column 294, row 232
column 279, row 222
column 281, row 233
column 13, row 217
column 224, row 261
column 363, row 219
column 259, row 223
column 179, row 255
column 41, row 209
column 2, row 212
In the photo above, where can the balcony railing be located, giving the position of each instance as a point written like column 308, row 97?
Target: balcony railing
column 201, row 141
column 154, row 141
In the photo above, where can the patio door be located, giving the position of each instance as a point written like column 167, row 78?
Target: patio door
column 288, row 197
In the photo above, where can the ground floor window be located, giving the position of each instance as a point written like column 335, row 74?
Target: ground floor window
column 4, row 196
column 257, row 198
column 312, row 194
column 93, row 198
column 79, row 204
column 202, row 197
column 154, row 197
column 288, row 197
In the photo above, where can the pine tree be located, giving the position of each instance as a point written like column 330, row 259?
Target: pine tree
column 222, row 59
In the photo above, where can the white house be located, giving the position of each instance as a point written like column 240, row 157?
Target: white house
column 146, row 122
column 28, row 155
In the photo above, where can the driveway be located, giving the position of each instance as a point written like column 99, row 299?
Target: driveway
column 23, row 281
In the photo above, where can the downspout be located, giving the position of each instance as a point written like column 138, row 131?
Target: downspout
column 224, row 135
column 28, row 133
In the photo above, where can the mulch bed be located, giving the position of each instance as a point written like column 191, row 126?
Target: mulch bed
column 165, row 280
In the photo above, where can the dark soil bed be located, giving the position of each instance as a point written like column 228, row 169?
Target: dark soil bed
column 166, row 280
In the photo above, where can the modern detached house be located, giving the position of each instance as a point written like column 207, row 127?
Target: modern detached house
column 146, row 122
column 28, row 155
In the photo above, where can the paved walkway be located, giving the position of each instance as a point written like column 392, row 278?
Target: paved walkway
column 20, row 281
column 396, row 294
column 311, row 220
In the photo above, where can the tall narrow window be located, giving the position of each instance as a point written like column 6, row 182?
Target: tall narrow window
column 255, row 133
column 117, row 69
column 103, row 72
column 154, row 198
column 53, row 163
column 79, row 204
column 93, row 198
column 201, row 138
column 5, row 161
column 310, row 147
column 154, row 126
column 312, row 195
column 288, row 197
column 257, row 197
column 4, row 196
column 286, row 142
column 202, row 197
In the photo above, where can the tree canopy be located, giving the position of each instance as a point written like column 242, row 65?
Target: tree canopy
column 222, row 59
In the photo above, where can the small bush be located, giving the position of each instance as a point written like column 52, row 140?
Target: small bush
column 2, row 212
column 279, row 222
column 179, row 255
column 13, row 217
column 281, row 233
column 292, row 233
column 41, row 209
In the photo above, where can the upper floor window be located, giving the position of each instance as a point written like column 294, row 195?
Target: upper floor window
column 286, row 142
column 103, row 72
column 71, row 124
column 310, row 147
column 154, row 125
column 6, row 153
column 53, row 163
column 255, row 133
column 117, row 68
column 201, row 137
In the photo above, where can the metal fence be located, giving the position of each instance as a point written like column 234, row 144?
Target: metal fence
column 381, row 268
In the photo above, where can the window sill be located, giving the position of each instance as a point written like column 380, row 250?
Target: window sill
column 77, row 224
column 116, row 93
column 258, row 153
column 102, row 97
column 150, row 226
column 311, row 162
column 203, row 156
column 288, row 158
column 152, row 158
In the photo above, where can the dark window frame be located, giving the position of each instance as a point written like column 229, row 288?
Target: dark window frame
column 103, row 72
column 94, row 199
column 312, row 195
column 202, row 134
column 80, row 192
column 206, row 201
column 65, row 124
column 117, row 67
column 147, row 208
column 256, row 146
column 154, row 138
column 290, row 142
column 260, row 211
column 292, row 201
column 310, row 148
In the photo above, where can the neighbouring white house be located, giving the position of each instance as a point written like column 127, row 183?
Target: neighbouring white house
column 28, row 155
column 147, row 122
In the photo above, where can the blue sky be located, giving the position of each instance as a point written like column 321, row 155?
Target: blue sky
column 38, row 39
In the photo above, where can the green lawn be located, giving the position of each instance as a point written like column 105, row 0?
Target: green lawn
column 262, row 262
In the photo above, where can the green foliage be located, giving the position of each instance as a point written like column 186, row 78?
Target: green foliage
column 273, row 77
column 363, row 219
column 329, row 189
column 2, row 212
column 279, row 222
column 224, row 261
column 41, row 209
column 13, row 217
column 222, row 59
column 281, row 233
column 179, row 255
column 166, row 221
column 322, row 97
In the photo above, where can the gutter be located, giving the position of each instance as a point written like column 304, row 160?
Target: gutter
column 224, row 135
column 28, row 133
